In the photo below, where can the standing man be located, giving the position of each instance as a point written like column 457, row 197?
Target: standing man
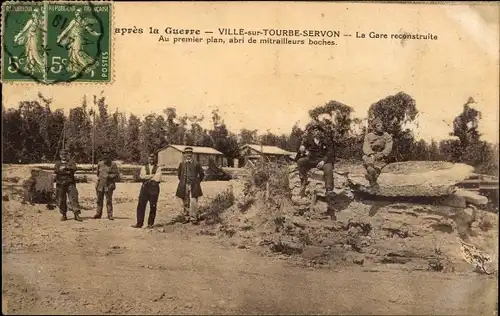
column 64, row 170
column 376, row 147
column 150, row 176
column 107, row 174
column 320, row 155
column 190, row 175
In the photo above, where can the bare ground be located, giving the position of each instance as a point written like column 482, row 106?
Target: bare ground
column 107, row 267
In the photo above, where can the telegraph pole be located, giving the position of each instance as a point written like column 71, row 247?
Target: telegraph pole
column 64, row 135
column 93, row 131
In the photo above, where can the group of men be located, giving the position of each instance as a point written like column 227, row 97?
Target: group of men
column 317, row 151
column 190, row 175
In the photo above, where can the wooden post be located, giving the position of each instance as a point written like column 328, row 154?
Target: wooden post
column 93, row 132
column 64, row 136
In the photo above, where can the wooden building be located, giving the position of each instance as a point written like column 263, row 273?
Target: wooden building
column 252, row 152
column 172, row 155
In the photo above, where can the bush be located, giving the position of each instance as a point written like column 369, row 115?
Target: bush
column 267, row 177
column 212, row 211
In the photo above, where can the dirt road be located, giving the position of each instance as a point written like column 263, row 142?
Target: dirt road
column 101, row 266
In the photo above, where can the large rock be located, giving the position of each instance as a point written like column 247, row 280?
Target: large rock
column 39, row 187
column 471, row 197
column 415, row 178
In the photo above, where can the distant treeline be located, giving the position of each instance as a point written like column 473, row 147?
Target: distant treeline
column 33, row 133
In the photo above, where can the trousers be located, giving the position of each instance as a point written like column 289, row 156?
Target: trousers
column 146, row 196
column 373, row 167
column 190, row 205
column 305, row 164
column 65, row 192
column 109, row 201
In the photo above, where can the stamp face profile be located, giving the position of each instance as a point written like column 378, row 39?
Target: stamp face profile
column 53, row 42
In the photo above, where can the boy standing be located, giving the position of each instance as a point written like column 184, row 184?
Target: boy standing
column 107, row 174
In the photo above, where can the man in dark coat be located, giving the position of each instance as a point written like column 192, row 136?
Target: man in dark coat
column 150, row 176
column 320, row 155
column 190, row 174
column 107, row 174
column 64, row 170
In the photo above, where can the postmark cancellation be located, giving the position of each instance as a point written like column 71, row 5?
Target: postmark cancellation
column 57, row 42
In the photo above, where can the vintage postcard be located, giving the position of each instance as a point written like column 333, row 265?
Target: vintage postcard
column 250, row 157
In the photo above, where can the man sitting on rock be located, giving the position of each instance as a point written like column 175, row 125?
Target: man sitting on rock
column 320, row 155
column 377, row 146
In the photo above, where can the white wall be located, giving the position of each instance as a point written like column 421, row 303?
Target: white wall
column 169, row 157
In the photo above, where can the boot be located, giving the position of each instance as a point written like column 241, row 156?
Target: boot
column 136, row 226
column 64, row 218
column 77, row 217
column 194, row 221
column 111, row 218
column 330, row 197
column 97, row 216
column 303, row 187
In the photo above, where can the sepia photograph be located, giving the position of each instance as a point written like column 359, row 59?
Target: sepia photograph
column 250, row 158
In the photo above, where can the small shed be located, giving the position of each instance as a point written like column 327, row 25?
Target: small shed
column 271, row 153
column 171, row 155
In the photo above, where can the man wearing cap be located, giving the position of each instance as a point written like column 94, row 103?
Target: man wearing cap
column 190, row 174
column 150, row 175
column 320, row 155
column 64, row 170
column 107, row 174
column 376, row 147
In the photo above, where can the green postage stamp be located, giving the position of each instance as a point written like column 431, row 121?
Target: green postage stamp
column 54, row 42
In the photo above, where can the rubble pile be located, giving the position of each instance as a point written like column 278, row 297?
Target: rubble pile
column 421, row 234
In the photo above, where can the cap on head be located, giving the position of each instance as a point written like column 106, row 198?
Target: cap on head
column 188, row 150
column 64, row 152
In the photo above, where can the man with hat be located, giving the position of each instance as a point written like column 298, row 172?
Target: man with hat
column 376, row 147
column 320, row 155
column 190, row 175
column 150, row 175
column 64, row 170
column 107, row 174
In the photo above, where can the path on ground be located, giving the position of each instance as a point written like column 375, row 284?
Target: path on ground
column 102, row 266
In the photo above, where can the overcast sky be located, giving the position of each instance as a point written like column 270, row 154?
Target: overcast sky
column 273, row 86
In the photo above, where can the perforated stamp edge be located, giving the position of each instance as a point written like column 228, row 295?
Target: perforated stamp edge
column 9, row 82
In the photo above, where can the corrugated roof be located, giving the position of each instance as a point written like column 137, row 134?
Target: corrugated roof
column 196, row 149
column 268, row 150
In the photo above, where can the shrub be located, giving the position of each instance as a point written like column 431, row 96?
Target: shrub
column 212, row 211
column 269, row 178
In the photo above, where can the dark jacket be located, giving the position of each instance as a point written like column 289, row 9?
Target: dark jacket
column 299, row 155
column 322, row 151
column 192, row 174
column 66, row 176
